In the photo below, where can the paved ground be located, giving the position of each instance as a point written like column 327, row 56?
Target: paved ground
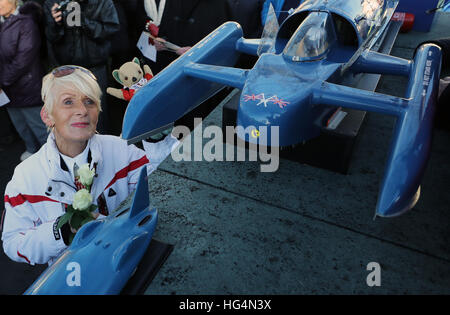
column 301, row 230
column 304, row 230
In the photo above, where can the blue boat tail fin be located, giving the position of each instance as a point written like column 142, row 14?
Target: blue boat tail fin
column 141, row 199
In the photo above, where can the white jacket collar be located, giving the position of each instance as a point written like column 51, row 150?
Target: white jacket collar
column 54, row 157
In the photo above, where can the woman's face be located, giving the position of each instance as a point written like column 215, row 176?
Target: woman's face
column 74, row 116
column 7, row 8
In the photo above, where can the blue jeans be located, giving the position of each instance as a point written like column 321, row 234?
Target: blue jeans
column 28, row 123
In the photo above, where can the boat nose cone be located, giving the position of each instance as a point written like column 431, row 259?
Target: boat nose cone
column 259, row 117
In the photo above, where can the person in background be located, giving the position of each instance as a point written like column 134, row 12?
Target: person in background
column 80, row 34
column 20, row 70
column 182, row 22
column 247, row 14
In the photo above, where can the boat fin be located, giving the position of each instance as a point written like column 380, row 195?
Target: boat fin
column 141, row 197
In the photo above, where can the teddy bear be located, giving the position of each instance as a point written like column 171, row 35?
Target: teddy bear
column 131, row 76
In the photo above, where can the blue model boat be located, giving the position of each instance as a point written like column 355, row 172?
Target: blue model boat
column 300, row 76
column 104, row 253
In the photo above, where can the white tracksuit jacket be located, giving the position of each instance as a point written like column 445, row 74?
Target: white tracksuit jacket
column 36, row 195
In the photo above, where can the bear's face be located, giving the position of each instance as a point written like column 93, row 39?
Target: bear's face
column 130, row 73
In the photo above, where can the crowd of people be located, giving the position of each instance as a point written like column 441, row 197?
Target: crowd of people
column 39, row 35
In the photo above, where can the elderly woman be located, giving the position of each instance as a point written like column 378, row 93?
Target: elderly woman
column 44, row 185
column 20, row 70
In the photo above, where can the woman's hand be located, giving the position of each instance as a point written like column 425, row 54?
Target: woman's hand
column 159, row 44
column 57, row 15
column 182, row 50
column 95, row 215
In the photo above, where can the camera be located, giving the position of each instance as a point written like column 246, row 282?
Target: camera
column 63, row 5
column 65, row 10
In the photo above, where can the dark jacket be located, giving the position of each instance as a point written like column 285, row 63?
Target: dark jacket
column 184, row 23
column 248, row 14
column 121, row 43
column 20, row 67
column 87, row 45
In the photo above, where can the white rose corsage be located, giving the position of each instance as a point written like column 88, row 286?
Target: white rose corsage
column 80, row 211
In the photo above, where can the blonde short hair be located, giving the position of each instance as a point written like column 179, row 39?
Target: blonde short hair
column 82, row 80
